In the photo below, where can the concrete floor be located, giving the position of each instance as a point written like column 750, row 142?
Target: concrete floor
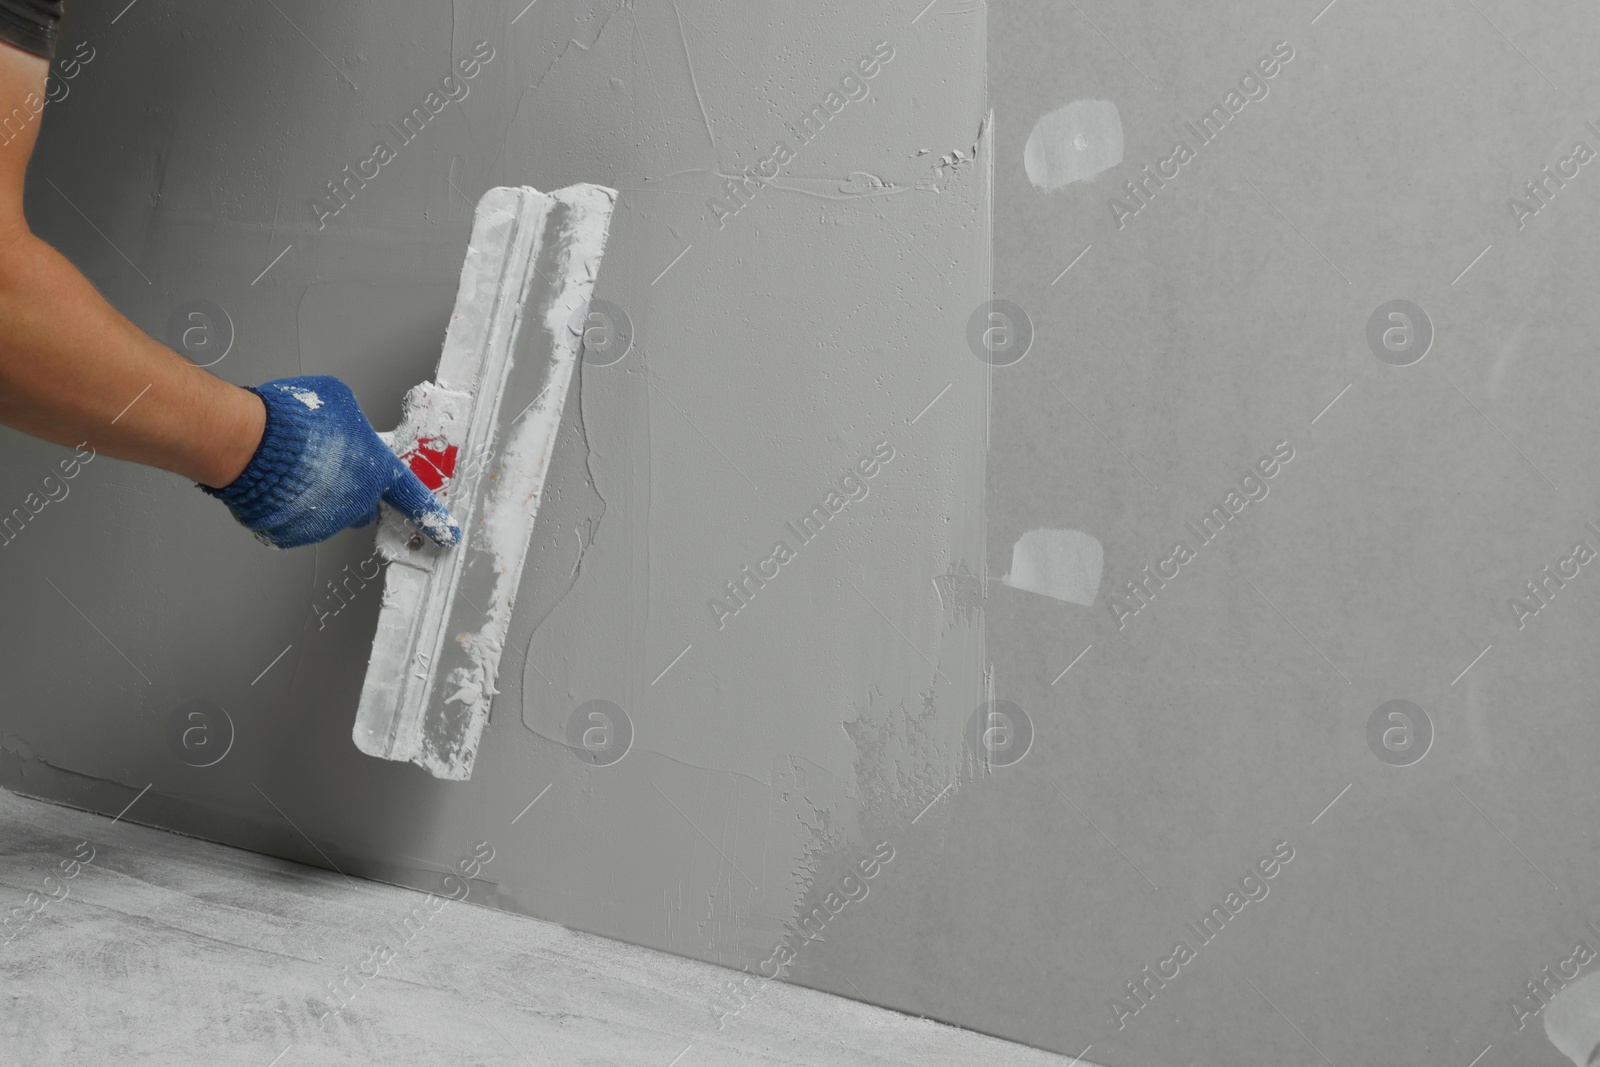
column 166, row 950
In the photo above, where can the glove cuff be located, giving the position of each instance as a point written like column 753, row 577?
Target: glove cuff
column 277, row 475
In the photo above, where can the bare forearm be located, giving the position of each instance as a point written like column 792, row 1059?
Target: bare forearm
column 73, row 369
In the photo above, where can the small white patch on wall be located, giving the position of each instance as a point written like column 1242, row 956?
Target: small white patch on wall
column 1074, row 143
column 1064, row 564
column 1572, row 1021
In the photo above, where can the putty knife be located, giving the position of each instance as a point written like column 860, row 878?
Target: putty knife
column 480, row 435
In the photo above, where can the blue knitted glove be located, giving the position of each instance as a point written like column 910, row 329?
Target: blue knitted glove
column 321, row 468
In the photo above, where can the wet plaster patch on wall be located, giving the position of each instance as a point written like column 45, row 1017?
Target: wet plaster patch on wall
column 768, row 357
column 714, row 781
column 961, row 595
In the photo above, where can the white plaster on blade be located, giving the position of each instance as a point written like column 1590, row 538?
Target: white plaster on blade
column 513, row 502
column 423, row 700
column 397, row 696
column 1064, row 564
column 1073, row 143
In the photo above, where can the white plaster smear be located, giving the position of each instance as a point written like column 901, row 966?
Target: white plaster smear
column 1572, row 1021
column 431, row 677
column 1064, row 564
column 1074, row 143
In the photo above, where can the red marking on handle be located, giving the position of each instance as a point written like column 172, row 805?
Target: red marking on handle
column 434, row 466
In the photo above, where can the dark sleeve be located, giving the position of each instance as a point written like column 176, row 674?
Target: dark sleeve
column 31, row 25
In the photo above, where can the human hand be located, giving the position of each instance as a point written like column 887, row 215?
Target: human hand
column 321, row 468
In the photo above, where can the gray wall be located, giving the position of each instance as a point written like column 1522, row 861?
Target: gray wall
column 1221, row 319
column 788, row 341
